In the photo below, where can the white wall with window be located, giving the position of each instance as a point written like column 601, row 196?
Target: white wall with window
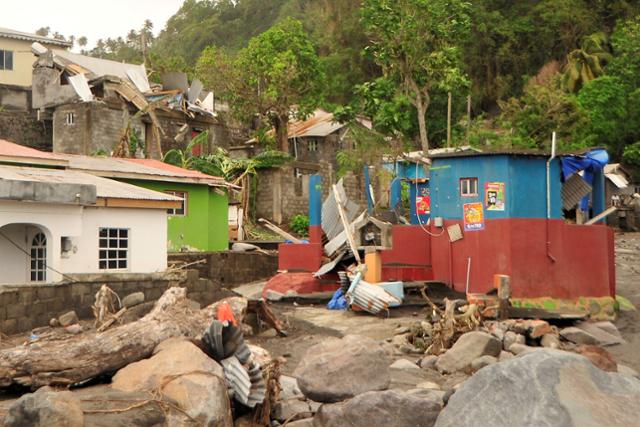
column 42, row 242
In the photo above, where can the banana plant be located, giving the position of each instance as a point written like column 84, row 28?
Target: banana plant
column 183, row 157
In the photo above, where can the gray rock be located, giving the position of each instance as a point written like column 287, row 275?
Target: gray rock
column 45, row 408
column 401, row 330
column 505, row 355
column 578, row 336
column 74, row 329
column 405, row 365
column 133, row 299
column 307, row 422
column 436, row 396
column 114, row 403
column 429, row 385
column 519, row 349
column 335, row 370
column 483, row 361
column 244, row 247
column 289, row 388
column 550, row 341
column 69, row 318
column 54, row 323
column 627, row 371
column 428, row 362
column 189, row 379
column 291, row 409
column 381, row 408
column 544, row 388
column 608, row 327
column 602, row 337
column 469, row 347
column 511, row 338
column 406, row 374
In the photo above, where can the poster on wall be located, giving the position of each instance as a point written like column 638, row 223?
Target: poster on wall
column 494, row 196
column 473, row 216
column 423, row 205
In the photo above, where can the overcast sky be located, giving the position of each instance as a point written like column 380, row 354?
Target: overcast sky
column 94, row 19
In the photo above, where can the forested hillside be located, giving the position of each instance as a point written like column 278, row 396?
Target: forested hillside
column 530, row 67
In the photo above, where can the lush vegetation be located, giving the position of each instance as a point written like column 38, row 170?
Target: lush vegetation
column 570, row 66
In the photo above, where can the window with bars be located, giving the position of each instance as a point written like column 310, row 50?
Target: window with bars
column 113, row 249
column 312, row 145
column 182, row 210
column 6, row 60
column 468, row 187
column 38, row 255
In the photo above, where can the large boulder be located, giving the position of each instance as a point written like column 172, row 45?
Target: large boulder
column 469, row 347
column 45, row 408
column 544, row 388
column 105, row 407
column 381, row 408
column 186, row 377
column 338, row 369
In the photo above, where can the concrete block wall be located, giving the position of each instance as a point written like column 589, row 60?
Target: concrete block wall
column 24, row 128
column 25, row 307
column 228, row 268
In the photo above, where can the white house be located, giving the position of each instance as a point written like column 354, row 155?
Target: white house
column 55, row 222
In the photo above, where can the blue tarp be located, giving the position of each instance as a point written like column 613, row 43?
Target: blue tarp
column 590, row 163
column 338, row 302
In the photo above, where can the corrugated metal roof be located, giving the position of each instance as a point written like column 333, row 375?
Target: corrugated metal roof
column 319, row 124
column 105, row 188
column 19, row 35
column 617, row 180
column 9, row 149
column 100, row 67
column 511, row 152
column 149, row 169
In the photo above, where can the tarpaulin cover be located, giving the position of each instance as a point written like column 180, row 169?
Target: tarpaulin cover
column 590, row 163
column 338, row 301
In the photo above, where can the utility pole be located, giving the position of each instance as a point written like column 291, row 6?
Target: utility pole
column 468, row 117
column 449, row 121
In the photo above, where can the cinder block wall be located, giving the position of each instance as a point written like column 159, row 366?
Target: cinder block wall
column 25, row 307
column 229, row 268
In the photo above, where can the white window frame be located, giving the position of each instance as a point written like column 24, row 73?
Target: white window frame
column 3, row 63
column 312, row 145
column 113, row 238
column 70, row 118
column 38, row 258
column 184, row 195
column 469, row 187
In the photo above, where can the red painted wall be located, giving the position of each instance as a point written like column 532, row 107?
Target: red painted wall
column 410, row 257
column 517, row 247
column 299, row 258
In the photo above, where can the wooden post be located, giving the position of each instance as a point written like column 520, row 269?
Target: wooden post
column 345, row 224
column 449, row 121
column 468, row 117
column 502, row 283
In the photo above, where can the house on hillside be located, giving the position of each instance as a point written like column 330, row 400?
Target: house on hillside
column 57, row 222
column 197, row 223
column 619, row 191
column 94, row 104
column 314, row 143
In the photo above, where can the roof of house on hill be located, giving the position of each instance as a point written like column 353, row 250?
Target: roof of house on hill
column 99, row 67
column 14, row 153
column 20, row 35
column 105, row 188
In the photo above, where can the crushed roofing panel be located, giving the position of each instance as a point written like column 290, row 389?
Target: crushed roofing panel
column 105, row 188
column 100, row 67
column 20, row 35
column 617, row 180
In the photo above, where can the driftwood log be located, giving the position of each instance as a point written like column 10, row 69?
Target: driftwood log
column 78, row 358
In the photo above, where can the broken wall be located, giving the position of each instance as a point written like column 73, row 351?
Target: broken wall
column 25, row 129
column 47, row 88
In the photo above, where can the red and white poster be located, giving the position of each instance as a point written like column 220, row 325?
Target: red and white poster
column 423, row 205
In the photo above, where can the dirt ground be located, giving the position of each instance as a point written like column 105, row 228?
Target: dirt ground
column 309, row 324
column 628, row 286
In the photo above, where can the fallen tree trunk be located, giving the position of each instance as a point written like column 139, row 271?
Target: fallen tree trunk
column 78, row 358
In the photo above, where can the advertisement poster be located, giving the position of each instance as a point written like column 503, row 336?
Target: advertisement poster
column 494, row 196
column 423, row 205
column 473, row 216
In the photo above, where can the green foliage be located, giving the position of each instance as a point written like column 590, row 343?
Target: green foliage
column 418, row 45
column 135, row 142
column 632, row 154
column 182, row 157
column 219, row 163
column 588, row 62
column 299, row 224
column 366, row 148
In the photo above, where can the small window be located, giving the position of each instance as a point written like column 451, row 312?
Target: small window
column 38, row 258
column 312, row 145
column 70, row 119
column 6, row 59
column 468, row 187
column 113, row 251
column 182, row 210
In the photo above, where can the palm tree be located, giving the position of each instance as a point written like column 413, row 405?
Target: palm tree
column 586, row 63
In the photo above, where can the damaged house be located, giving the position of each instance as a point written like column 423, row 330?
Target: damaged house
column 101, row 106
column 314, row 143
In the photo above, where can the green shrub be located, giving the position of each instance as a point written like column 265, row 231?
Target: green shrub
column 300, row 225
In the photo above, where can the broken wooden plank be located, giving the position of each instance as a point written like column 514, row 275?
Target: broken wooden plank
column 601, row 216
column 279, row 231
column 345, row 224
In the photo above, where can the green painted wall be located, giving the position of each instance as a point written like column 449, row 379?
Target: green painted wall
column 205, row 227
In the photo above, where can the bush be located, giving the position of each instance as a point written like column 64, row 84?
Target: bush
column 300, row 225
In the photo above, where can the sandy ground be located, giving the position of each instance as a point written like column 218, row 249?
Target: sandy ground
column 628, row 286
